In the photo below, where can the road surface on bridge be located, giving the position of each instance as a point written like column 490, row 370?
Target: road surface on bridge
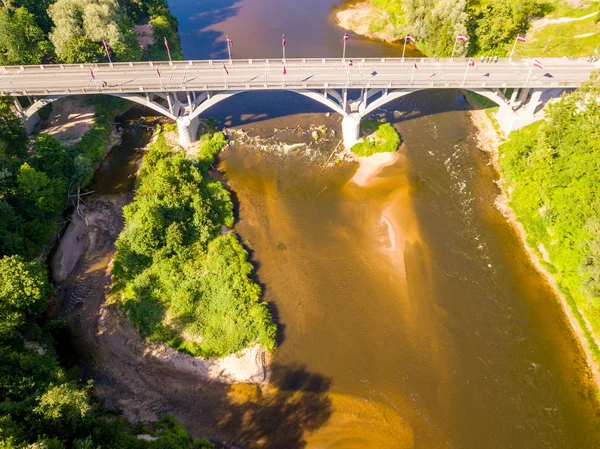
column 197, row 76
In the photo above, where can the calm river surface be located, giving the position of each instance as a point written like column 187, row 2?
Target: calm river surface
column 410, row 300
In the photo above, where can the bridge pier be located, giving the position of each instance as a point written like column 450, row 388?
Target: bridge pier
column 351, row 129
column 188, row 130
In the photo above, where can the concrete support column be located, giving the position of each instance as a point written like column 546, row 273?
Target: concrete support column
column 523, row 95
column 31, row 122
column 513, row 97
column 534, row 101
column 351, row 130
column 170, row 102
column 188, row 130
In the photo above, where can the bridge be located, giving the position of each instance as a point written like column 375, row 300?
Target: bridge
column 183, row 90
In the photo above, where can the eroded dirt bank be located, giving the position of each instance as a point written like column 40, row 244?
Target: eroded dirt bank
column 145, row 381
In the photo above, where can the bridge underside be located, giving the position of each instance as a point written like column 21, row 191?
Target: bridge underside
column 516, row 106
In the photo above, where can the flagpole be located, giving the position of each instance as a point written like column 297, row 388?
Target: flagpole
column 413, row 74
column 344, row 52
column 228, row 49
column 404, row 49
column 514, row 46
column 267, row 72
column 466, row 72
column 529, row 75
column 454, row 48
column 283, row 45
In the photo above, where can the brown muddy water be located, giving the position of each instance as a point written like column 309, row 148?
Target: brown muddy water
column 412, row 295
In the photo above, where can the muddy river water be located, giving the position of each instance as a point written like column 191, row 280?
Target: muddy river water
column 407, row 307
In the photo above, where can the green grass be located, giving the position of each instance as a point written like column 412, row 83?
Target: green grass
column 558, row 40
column 379, row 138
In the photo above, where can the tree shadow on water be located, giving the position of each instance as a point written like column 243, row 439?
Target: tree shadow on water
column 295, row 403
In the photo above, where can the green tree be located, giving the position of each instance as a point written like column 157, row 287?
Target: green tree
column 39, row 10
column 38, row 196
column 13, row 137
column 82, row 49
column 51, row 157
column 21, row 40
column 92, row 20
column 24, row 290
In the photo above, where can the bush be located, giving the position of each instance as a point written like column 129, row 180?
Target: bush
column 379, row 138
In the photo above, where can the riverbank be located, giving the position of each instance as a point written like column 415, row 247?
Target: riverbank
column 489, row 140
column 362, row 18
column 90, row 241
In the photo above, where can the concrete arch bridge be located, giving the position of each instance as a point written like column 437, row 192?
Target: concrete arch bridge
column 183, row 90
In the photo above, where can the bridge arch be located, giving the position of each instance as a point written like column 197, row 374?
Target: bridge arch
column 495, row 96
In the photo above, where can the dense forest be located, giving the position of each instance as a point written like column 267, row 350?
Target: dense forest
column 42, row 405
column 492, row 25
column 551, row 173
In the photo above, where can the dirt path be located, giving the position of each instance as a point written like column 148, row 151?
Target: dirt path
column 538, row 24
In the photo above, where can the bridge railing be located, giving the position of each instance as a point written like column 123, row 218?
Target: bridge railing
column 289, row 61
column 287, row 86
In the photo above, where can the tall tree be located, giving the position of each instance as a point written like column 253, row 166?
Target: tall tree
column 21, row 40
column 95, row 21
column 24, row 290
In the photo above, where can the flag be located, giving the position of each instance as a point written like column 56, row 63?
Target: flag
column 229, row 42
column 158, row 72
column 416, row 66
column 283, row 40
column 284, row 71
column 167, row 47
column 471, row 63
column 409, row 38
column 106, row 47
column 346, row 36
column 226, row 71
column 537, row 63
column 521, row 38
column 92, row 74
column 461, row 37
column 350, row 63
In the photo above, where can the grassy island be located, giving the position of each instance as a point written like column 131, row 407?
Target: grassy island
column 182, row 278
column 378, row 137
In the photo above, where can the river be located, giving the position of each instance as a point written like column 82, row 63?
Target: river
column 410, row 315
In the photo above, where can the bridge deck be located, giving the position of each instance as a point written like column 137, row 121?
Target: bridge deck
column 263, row 74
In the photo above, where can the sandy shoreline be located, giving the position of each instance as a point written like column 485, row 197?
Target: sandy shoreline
column 359, row 17
column 489, row 141
column 372, row 165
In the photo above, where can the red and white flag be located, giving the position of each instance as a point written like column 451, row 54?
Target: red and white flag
column 92, row 74
column 284, row 71
column 471, row 63
column 461, row 37
column 106, row 47
column 226, row 71
column 416, row 66
column 229, row 41
column 283, row 40
column 537, row 63
column 409, row 38
column 521, row 38
column 350, row 63
column 346, row 36
column 167, row 47
column 158, row 72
